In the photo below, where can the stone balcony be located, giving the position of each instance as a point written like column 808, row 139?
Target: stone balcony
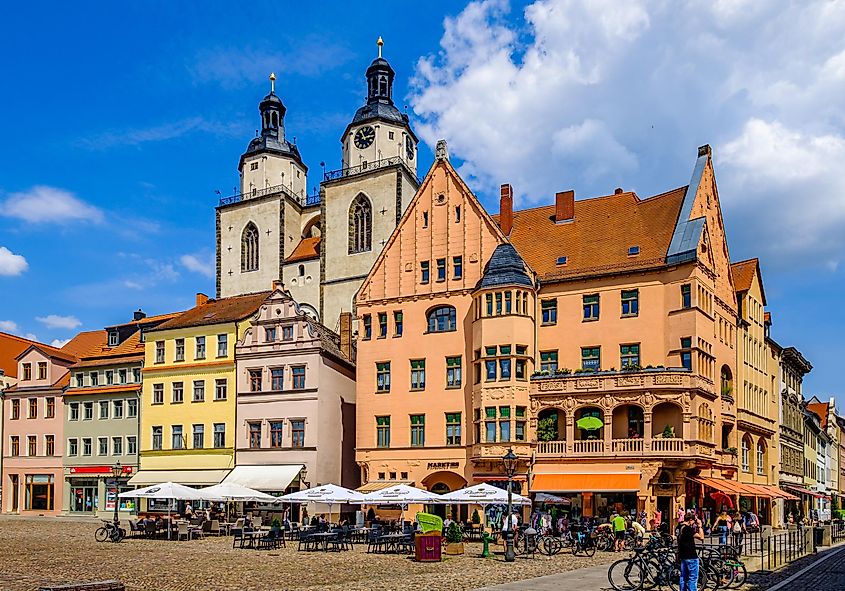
column 617, row 447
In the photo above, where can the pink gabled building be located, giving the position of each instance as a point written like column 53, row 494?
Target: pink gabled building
column 32, row 426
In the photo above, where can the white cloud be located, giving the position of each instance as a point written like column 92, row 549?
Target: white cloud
column 594, row 95
column 160, row 133
column 43, row 204
column 11, row 263
column 56, row 321
column 203, row 266
column 9, row 326
column 59, row 343
column 31, row 337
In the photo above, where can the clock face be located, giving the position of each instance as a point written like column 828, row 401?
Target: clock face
column 364, row 137
column 409, row 147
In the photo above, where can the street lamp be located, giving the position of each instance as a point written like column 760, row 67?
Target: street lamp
column 116, row 471
column 509, row 462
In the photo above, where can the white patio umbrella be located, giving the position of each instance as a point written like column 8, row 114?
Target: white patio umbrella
column 330, row 494
column 165, row 490
column 483, row 494
column 551, row 499
column 402, row 495
column 231, row 491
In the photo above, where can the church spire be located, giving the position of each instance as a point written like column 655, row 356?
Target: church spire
column 272, row 112
column 380, row 79
column 380, row 43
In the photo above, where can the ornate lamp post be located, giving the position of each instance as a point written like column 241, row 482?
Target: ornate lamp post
column 116, row 471
column 509, row 462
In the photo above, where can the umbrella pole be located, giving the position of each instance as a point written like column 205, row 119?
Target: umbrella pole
column 168, row 519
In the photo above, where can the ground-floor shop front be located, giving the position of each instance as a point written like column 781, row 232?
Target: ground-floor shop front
column 92, row 490
column 32, row 490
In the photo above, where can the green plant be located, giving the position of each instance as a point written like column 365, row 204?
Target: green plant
column 632, row 367
column 454, row 533
column 727, row 390
column 476, row 518
column 563, row 371
column 668, row 432
column 731, row 450
column 276, row 523
column 547, row 429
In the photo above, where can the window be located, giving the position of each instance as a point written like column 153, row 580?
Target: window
column 253, row 165
column 490, row 424
column 219, row 435
column 177, row 438
column 548, row 310
column 254, row 434
column 255, row 380
column 117, row 409
column 686, row 296
column 27, row 372
column 424, row 272
column 561, row 260
column 630, row 302
column 298, row 377
column 591, row 307
column 33, row 409
column 222, row 345
column 297, row 433
column 42, row 370
column 504, row 423
column 221, row 389
column 498, row 303
column 157, row 437
column 761, row 458
column 490, row 370
column 159, row 352
column 633, row 251
column 15, row 445
column 488, row 300
column 158, row 394
column 382, row 325
column 505, row 364
column 383, row 377
column 117, row 446
column 453, row 372
column 745, row 462
column 270, row 334
column 417, row 374
column 508, row 302
column 104, row 409
column 383, row 431
column 73, row 409
column 16, row 410
column 109, row 377
column 548, row 361
column 360, row 225
column 398, row 323
column 275, row 433
column 80, row 380
column 94, row 377
column 519, row 433
column 442, row 319
column 457, row 213
column 72, row 446
column 199, row 391
column 519, row 368
column 453, row 428
column 199, row 345
column 629, row 355
column 121, row 375
column 136, row 375
column 457, row 267
column 277, row 378
column 441, row 269
column 686, row 352
column 131, row 408
column 177, row 392
column 368, row 326
column 180, row 350
column 31, row 446
column 249, row 248
column 131, row 446
column 417, row 430
column 102, row 446
column 198, row 436
column 88, row 411
column 591, row 358
column 425, row 219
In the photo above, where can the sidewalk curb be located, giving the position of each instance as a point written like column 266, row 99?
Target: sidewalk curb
column 827, row 555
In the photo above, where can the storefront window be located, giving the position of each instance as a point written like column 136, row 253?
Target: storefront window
column 83, row 496
column 39, row 492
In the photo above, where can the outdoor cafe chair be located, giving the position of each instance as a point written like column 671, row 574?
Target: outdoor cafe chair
column 237, row 536
column 183, row 529
column 150, row 528
column 374, row 542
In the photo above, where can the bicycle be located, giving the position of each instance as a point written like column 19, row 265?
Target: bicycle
column 109, row 531
column 584, row 543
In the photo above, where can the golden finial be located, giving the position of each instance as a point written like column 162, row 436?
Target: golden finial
column 380, row 42
column 272, row 82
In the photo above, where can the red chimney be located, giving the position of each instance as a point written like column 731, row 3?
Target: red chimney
column 201, row 299
column 506, row 209
column 564, row 206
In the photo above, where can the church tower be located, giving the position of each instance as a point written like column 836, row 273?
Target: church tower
column 261, row 230
column 363, row 200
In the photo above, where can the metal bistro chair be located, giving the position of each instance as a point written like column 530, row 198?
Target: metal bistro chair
column 306, row 541
column 341, row 540
column 374, row 542
column 183, row 529
column 237, row 536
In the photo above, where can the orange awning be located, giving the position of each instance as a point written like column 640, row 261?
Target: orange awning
column 574, row 483
column 730, row 487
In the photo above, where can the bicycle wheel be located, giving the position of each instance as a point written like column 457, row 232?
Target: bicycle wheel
column 117, row 535
column 589, row 549
column 576, row 548
column 102, row 534
column 626, row 575
column 740, row 573
column 545, row 545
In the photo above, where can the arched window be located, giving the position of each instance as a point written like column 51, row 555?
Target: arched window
column 442, row 319
column 746, row 447
column 249, row 248
column 761, row 457
column 360, row 225
column 727, row 382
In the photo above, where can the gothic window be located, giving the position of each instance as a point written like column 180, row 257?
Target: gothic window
column 360, row 225
column 249, row 248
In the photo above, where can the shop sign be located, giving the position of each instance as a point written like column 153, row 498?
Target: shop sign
column 442, row 465
column 97, row 470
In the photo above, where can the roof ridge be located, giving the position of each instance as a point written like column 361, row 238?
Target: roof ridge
column 24, row 339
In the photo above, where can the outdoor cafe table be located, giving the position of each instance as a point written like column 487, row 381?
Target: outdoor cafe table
column 323, row 538
column 250, row 537
column 359, row 534
column 391, row 542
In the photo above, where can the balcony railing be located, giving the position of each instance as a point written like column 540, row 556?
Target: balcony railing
column 303, row 200
column 626, row 446
column 553, row 448
column 669, row 446
column 588, row 447
column 623, row 447
column 340, row 173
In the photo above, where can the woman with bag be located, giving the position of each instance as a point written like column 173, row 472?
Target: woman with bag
column 738, row 531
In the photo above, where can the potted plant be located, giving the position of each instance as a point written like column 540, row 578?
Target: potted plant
column 454, row 539
column 668, row 432
column 476, row 518
column 547, row 429
column 276, row 525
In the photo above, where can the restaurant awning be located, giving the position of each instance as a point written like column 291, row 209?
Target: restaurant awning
column 574, row 483
column 375, row 485
column 732, row 487
column 266, row 478
column 807, row 491
column 186, row 477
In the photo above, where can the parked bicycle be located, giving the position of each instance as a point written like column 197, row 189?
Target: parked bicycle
column 109, row 531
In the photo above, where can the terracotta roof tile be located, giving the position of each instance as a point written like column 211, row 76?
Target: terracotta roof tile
column 103, row 389
column 11, row 346
column 598, row 238
column 820, row 408
column 217, row 311
column 149, row 319
column 308, row 248
column 742, row 274
column 84, row 342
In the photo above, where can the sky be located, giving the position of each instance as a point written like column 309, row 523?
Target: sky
column 121, row 122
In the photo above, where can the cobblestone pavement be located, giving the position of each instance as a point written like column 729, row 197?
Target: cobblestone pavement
column 37, row 551
column 829, row 575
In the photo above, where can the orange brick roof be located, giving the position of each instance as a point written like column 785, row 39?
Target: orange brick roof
column 742, row 274
column 11, row 346
column 84, row 342
column 598, row 239
column 820, row 408
column 150, row 319
column 217, row 311
column 308, row 248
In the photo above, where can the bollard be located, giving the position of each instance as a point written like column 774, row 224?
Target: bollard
column 485, row 538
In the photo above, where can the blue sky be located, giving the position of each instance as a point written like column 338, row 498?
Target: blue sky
column 120, row 123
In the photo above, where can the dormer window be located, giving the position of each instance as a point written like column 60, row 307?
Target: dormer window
column 113, row 338
column 562, row 260
column 633, row 251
